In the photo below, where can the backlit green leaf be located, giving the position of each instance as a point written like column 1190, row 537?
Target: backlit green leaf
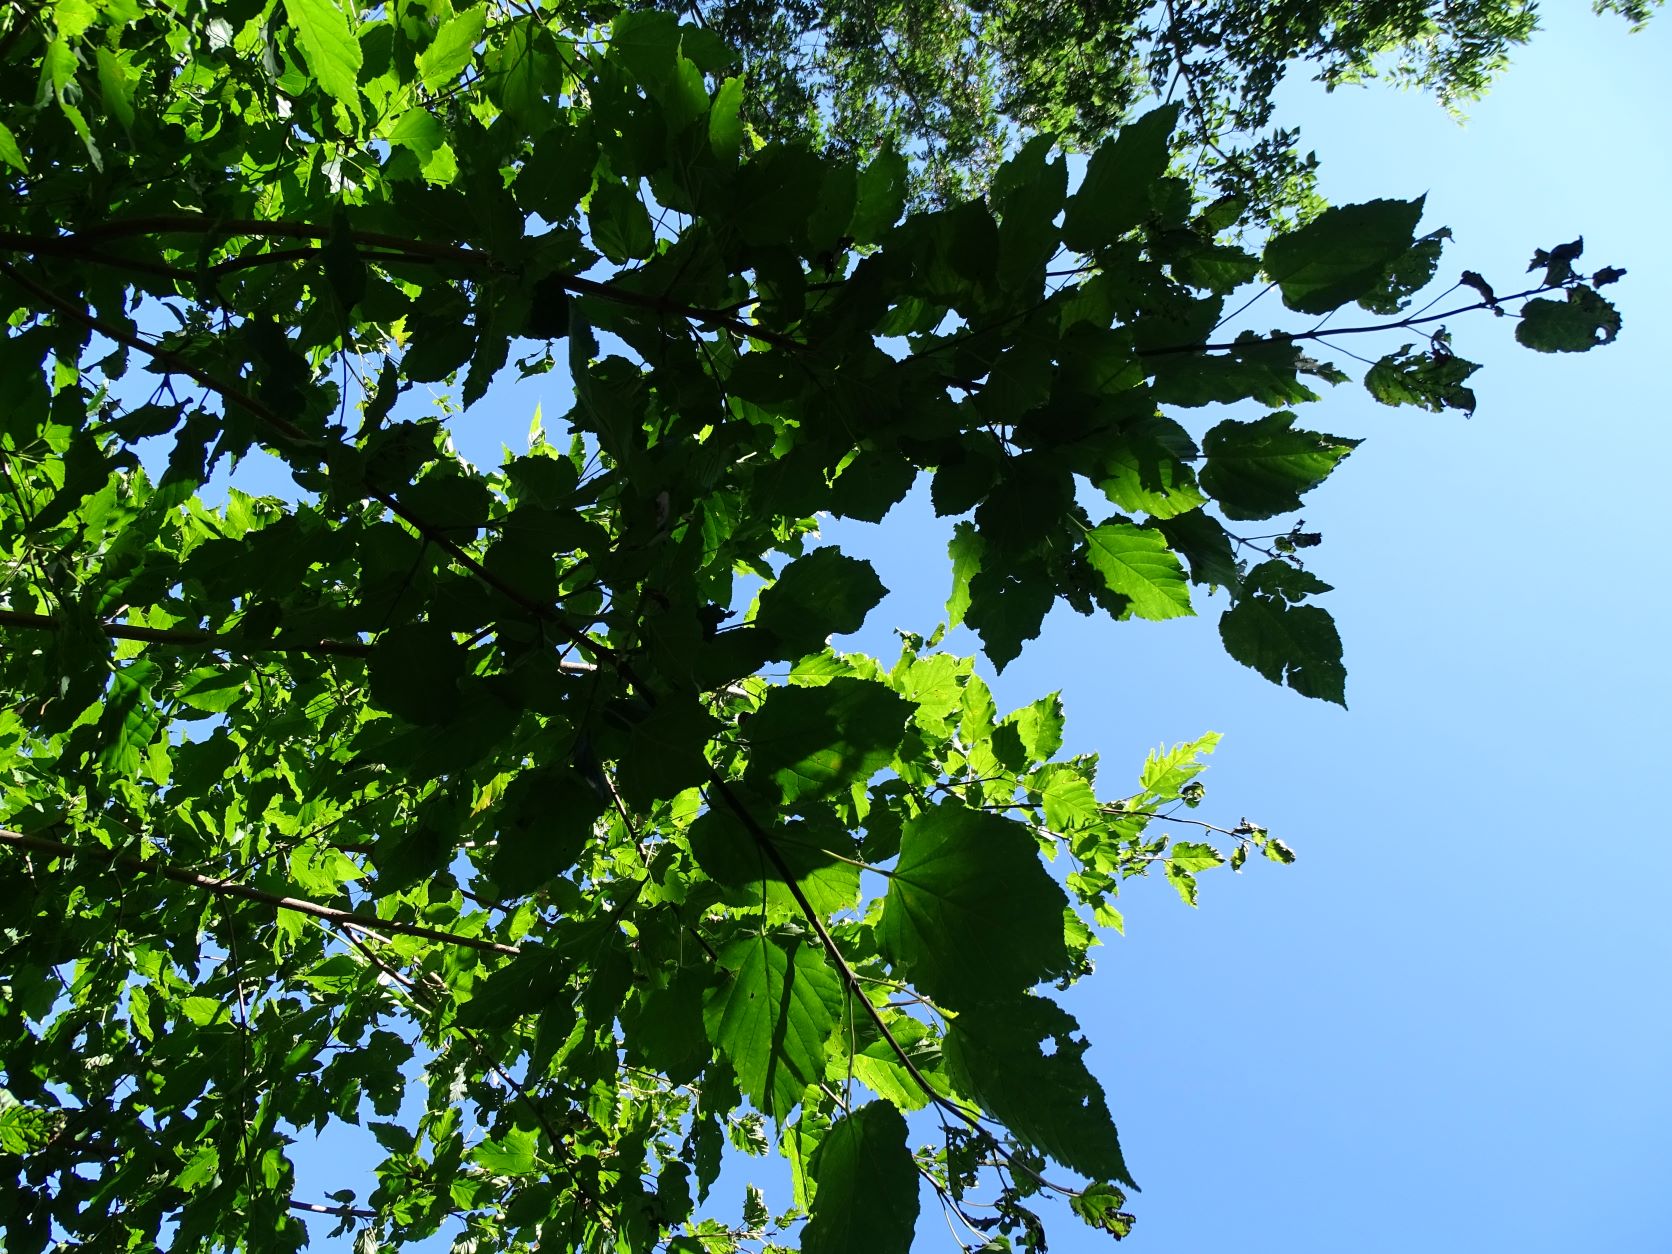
column 826, row 593
column 771, row 1015
column 1138, row 564
column 970, row 915
column 331, row 51
column 1115, row 193
column 453, row 47
column 1286, row 642
column 811, row 741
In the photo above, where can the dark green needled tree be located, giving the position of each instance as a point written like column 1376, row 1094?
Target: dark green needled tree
column 485, row 807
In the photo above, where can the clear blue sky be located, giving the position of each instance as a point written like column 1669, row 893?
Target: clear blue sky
column 1446, row 1027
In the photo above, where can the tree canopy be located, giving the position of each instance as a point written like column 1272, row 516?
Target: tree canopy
column 531, row 816
column 956, row 82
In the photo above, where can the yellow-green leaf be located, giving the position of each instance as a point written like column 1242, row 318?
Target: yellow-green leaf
column 1137, row 563
column 329, row 48
column 453, row 47
column 10, row 153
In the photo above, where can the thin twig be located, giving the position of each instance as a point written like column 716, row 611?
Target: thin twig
column 232, row 888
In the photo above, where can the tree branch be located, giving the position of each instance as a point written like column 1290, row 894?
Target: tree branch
column 190, row 638
column 403, row 250
column 231, row 888
column 342, row 1211
column 225, row 642
column 1324, row 333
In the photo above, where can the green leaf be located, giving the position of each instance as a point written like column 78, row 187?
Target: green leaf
column 545, row 819
column 1575, row 325
column 509, row 1155
column 1115, row 194
column 1166, row 772
column 813, row 741
column 200, row 1168
column 965, row 549
column 731, row 855
column 415, row 671
column 867, row 1186
column 1007, row 608
column 1147, row 471
column 1432, row 381
column 664, row 1027
column 1100, row 1206
column 1039, row 727
column 212, row 689
column 130, row 721
column 881, row 197
column 1260, row 469
column 826, row 593
column 524, row 73
column 116, row 88
column 330, row 49
column 1286, row 642
column 1342, row 254
column 452, row 48
column 879, row 1067
column 725, row 120
column 1137, row 563
column 971, row 915
column 1193, row 856
column 205, row 1011
column 10, row 153
column 1066, row 794
column 1049, row 1100
column 1202, row 540
column 772, row 1017
column 1253, row 368
column 665, row 751
column 620, row 222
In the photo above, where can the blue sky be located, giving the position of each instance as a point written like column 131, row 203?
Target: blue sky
column 1446, row 1025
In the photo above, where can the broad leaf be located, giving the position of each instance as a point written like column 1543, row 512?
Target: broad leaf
column 453, row 47
column 826, row 593
column 1023, row 1061
column 811, row 741
column 867, row 1186
column 771, row 1015
column 331, row 51
column 1342, row 254
column 1260, row 469
column 1284, row 641
column 1114, row 196
column 1137, row 563
column 971, row 916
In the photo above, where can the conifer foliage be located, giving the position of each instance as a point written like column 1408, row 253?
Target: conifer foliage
column 491, row 809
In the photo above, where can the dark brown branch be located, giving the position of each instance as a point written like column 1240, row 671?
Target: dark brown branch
column 406, row 250
column 231, row 888
column 341, row 1210
column 190, row 638
column 1324, row 333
